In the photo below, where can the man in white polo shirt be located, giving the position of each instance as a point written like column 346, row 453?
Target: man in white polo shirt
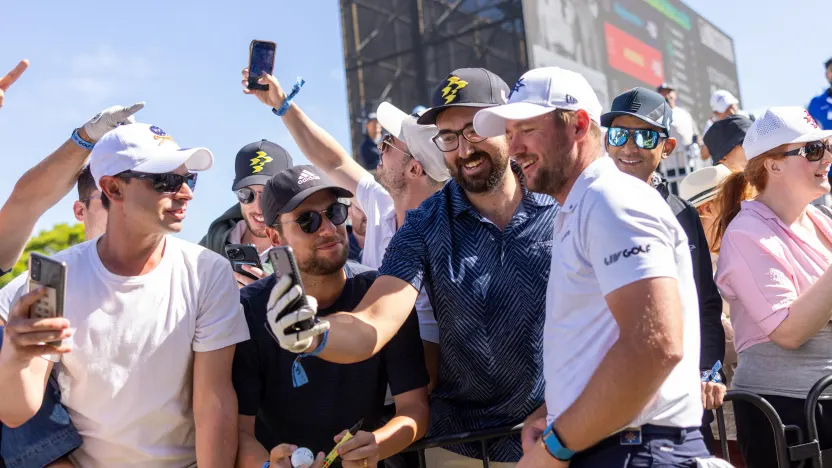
column 621, row 340
column 150, row 321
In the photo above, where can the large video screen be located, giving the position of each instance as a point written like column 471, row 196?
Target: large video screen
column 621, row 44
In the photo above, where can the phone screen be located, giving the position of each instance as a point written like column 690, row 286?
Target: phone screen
column 262, row 59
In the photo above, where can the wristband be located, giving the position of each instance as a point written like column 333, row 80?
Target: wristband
column 299, row 377
column 76, row 138
column 288, row 101
column 266, row 465
column 554, row 446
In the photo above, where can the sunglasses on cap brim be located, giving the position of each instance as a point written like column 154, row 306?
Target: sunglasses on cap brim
column 644, row 138
column 310, row 221
column 163, row 183
column 812, row 151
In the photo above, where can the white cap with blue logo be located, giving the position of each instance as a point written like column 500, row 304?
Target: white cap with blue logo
column 539, row 92
column 145, row 148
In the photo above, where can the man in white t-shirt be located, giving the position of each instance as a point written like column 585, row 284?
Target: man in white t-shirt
column 621, row 339
column 410, row 170
column 150, row 321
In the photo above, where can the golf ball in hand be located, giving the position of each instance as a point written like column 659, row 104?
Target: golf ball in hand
column 302, row 457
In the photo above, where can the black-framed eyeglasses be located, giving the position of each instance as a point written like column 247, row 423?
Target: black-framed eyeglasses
column 644, row 138
column 246, row 196
column 311, row 221
column 387, row 142
column 448, row 140
column 163, row 183
column 812, row 151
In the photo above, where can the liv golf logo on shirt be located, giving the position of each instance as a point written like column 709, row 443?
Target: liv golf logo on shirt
column 626, row 253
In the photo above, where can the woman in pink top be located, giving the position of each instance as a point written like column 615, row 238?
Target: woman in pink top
column 773, row 271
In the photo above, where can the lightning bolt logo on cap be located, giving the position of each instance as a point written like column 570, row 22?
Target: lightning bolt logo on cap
column 261, row 160
column 453, row 86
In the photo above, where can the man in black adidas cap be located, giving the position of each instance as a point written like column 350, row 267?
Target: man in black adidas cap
column 255, row 164
column 307, row 402
column 481, row 247
column 639, row 123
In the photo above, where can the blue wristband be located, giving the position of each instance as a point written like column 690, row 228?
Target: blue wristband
column 288, row 102
column 299, row 377
column 554, row 446
column 76, row 138
column 266, row 465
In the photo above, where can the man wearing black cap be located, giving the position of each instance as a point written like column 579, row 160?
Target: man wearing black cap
column 243, row 223
column 724, row 141
column 638, row 139
column 301, row 400
column 482, row 248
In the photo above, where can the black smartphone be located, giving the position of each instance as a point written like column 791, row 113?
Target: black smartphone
column 260, row 62
column 243, row 254
column 283, row 262
column 51, row 274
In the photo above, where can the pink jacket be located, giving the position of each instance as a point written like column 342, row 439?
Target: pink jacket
column 764, row 266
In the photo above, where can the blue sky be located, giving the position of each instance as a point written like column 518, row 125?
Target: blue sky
column 184, row 58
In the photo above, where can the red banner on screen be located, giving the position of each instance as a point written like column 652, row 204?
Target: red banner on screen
column 633, row 57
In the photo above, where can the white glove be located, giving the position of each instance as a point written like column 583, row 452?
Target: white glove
column 279, row 299
column 109, row 119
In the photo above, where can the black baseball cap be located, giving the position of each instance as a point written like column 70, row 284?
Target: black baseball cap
column 725, row 135
column 257, row 162
column 289, row 188
column 642, row 103
column 466, row 87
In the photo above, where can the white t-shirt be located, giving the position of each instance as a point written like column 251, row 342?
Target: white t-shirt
column 127, row 383
column 9, row 292
column 614, row 230
column 377, row 204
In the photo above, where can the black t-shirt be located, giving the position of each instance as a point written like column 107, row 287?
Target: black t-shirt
column 337, row 395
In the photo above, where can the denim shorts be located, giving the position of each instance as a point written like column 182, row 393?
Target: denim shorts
column 48, row 436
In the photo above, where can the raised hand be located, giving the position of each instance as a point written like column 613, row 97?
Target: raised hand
column 25, row 338
column 109, row 119
column 274, row 97
column 11, row 77
column 282, row 297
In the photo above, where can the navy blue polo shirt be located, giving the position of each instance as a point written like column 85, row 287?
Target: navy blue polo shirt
column 337, row 395
column 488, row 290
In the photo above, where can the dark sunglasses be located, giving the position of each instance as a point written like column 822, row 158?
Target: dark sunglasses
column 246, row 195
column 813, row 151
column 163, row 183
column 310, row 221
column 644, row 138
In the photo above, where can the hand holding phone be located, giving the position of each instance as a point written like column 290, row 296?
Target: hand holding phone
column 243, row 254
column 260, row 63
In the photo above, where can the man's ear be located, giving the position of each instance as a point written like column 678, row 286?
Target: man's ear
column 111, row 187
column 669, row 146
column 274, row 236
column 79, row 210
column 415, row 169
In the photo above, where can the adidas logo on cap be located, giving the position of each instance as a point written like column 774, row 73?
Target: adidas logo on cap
column 306, row 176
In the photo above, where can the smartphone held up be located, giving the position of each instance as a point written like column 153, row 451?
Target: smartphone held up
column 282, row 259
column 50, row 274
column 260, row 63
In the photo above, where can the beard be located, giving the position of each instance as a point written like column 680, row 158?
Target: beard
column 554, row 168
column 388, row 180
column 256, row 233
column 479, row 184
column 317, row 266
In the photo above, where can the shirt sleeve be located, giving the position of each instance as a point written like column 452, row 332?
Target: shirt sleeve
column 220, row 321
column 10, row 293
column 753, row 274
column 245, row 373
column 428, row 328
column 406, row 255
column 368, row 193
column 404, row 359
column 629, row 240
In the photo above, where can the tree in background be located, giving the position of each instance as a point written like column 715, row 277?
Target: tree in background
column 60, row 237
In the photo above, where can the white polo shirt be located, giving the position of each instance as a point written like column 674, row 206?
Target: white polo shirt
column 377, row 204
column 614, row 230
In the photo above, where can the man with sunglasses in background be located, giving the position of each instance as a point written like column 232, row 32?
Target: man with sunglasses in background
column 254, row 165
column 481, row 247
column 146, row 366
column 638, row 140
column 286, row 398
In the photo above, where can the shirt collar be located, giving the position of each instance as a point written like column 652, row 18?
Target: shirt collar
column 759, row 208
column 587, row 177
column 531, row 201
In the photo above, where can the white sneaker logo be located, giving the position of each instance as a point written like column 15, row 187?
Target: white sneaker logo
column 306, row 176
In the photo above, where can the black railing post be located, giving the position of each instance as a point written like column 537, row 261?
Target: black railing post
column 723, row 437
column 780, row 445
column 810, row 409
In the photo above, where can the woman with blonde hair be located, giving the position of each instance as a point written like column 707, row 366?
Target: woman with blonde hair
column 773, row 270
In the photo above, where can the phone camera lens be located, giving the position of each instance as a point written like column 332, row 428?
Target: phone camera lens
column 36, row 270
column 235, row 254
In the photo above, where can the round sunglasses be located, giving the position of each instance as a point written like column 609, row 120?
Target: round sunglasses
column 163, row 183
column 813, row 151
column 246, row 196
column 311, row 221
column 644, row 138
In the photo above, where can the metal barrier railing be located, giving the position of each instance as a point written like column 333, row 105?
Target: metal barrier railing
column 481, row 436
column 812, row 400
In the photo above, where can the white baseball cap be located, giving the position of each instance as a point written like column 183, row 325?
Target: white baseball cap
column 721, row 100
column 539, row 92
column 418, row 139
column 143, row 148
column 781, row 126
column 702, row 185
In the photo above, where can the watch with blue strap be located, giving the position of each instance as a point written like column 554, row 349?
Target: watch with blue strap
column 554, row 446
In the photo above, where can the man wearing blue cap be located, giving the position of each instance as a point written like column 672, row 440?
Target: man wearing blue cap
column 638, row 140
